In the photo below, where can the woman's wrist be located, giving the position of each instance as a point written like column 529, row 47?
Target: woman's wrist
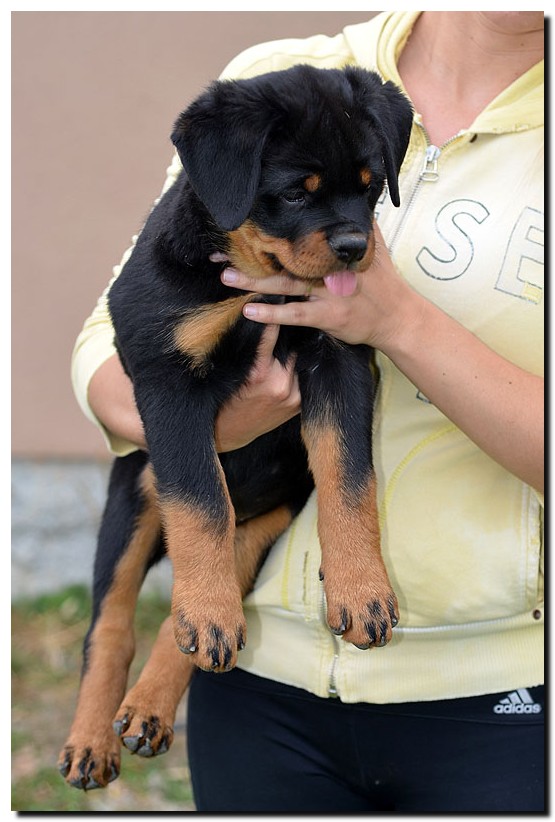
column 404, row 328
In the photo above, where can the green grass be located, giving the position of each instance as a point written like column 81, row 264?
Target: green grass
column 47, row 636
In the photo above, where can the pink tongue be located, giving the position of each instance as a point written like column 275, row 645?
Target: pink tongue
column 342, row 283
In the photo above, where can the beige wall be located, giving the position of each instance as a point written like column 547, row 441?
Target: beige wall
column 94, row 97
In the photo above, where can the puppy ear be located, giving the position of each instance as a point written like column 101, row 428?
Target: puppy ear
column 394, row 123
column 390, row 113
column 220, row 148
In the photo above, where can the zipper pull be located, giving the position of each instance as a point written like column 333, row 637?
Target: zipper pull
column 429, row 171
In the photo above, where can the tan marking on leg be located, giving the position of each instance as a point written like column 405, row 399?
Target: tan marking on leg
column 153, row 701
column 167, row 673
column 206, row 601
column 110, row 651
column 359, row 595
column 198, row 333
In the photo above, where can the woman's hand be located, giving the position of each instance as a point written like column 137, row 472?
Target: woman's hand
column 494, row 402
column 269, row 398
column 377, row 311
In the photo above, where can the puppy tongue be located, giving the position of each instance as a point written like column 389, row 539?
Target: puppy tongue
column 342, row 283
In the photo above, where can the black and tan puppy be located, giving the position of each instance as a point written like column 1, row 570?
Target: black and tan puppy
column 281, row 174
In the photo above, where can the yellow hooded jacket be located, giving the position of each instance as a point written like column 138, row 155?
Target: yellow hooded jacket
column 461, row 536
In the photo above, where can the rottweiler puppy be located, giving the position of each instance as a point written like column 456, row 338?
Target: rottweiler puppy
column 281, row 173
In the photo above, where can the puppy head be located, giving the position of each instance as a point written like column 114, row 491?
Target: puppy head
column 290, row 165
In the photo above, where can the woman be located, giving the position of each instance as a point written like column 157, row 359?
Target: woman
column 448, row 716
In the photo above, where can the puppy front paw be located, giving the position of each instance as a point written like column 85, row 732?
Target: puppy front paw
column 212, row 634
column 142, row 733
column 362, row 611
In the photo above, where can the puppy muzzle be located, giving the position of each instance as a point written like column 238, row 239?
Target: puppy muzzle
column 348, row 246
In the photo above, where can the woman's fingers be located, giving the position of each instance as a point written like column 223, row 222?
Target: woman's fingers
column 277, row 284
column 265, row 352
column 302, row 314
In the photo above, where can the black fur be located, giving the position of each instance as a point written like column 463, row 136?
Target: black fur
column 282, row 173
column 247, row 147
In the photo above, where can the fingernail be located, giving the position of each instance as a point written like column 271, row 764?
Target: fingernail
column 250, row 310
column 229, row 275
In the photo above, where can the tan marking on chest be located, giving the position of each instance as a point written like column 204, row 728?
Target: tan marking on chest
column 196, row 335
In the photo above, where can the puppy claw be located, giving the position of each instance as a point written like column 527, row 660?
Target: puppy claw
column 65, row 766
column 164, row 746
column 344, row 623
column 392, row 609
column 138, row 745
column 190, row 650
column 145, row 750
column 120, row 725
column 132, row 743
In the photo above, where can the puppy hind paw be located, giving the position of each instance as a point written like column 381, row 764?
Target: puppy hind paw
column 86, row 770
column 146, row 737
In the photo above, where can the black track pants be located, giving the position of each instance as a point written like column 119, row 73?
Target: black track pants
column 261, row 747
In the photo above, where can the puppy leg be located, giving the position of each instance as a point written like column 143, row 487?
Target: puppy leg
column 146, row 716
column 206, row 601
column 337, row 397
column 128, row 536
column 197, row 515
column 361, row 605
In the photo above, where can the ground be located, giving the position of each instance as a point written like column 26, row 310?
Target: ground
column 47, row 635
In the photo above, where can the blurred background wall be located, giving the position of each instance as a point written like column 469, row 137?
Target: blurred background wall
column 94, row 96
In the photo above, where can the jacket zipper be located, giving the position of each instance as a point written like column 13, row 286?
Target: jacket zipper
column 332, row 684
column 429, row 173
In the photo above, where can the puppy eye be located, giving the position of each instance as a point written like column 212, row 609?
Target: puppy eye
column 294, row 197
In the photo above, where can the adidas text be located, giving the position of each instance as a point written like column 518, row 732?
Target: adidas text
column 517, row 702
column 518, row 709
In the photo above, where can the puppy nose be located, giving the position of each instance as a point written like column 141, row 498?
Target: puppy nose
column 349, row 247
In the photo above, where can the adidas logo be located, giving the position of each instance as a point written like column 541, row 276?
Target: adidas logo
column 517, row 702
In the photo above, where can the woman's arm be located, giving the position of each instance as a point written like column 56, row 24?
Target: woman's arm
column 112, row 401
column 497, row 404
column 269, row 398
